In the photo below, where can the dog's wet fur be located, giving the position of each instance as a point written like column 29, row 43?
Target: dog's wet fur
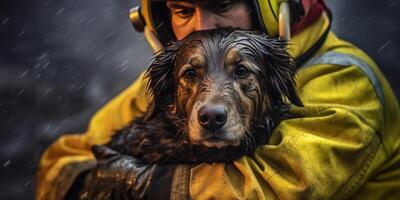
column 217, row 95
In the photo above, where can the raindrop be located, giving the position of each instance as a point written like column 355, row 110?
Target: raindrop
column 20, row 92
column 81, row 86
column 83, row 19
column 27, row 183
column 43, row 56
column 23, row 73
column 84, row 195
column 343, row 19
column 46, row 64
column 91, row 20
column 47, row 128
column 384, row 46
column 46, row 3
column 8, row 162
column 124, row 63
column 59, row 11
column 6, row 20
column 99, row 56
column 59, row 99
column 162, row 23
column 21, row 33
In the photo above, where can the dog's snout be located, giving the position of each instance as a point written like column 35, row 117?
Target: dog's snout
column 212, row 117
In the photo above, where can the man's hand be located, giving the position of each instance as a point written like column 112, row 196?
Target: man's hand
column 116, row 176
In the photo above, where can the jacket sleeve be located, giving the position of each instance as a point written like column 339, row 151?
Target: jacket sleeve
column 326, row 153
column 70, row 155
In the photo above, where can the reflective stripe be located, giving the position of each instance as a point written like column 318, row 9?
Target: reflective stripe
column 341, row 59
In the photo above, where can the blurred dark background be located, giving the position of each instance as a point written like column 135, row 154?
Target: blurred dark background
column 62, row 60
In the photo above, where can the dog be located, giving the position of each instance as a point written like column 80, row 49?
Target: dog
column 217, row 95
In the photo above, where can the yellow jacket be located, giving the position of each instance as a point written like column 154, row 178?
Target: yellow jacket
column 344, row 145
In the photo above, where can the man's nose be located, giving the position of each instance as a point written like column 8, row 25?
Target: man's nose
column 205, row 20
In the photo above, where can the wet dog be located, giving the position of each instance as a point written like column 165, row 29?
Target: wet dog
column 217, row 95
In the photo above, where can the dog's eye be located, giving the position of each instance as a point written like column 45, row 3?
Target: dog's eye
column 241, row 71
column 190, row 74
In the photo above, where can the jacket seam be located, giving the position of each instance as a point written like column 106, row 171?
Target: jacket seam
column 358, row 177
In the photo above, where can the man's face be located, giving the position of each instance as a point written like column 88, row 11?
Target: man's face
column 194, row 15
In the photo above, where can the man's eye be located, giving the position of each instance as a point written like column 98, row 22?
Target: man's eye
column 241, row 71
column 184, row 12
column 223, row 6
column 189, row 74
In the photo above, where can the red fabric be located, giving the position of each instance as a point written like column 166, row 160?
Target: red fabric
column 312, row 11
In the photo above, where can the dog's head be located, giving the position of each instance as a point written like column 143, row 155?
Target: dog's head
column 221, row 83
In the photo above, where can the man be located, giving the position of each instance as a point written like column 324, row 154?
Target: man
column 345, row 145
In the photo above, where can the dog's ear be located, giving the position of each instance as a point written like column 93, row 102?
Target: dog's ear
column 161, row 85
column 280, row 70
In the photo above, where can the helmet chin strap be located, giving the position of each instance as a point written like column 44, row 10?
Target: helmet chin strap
column 284, row 21
column 140, row 26
column 154, row 42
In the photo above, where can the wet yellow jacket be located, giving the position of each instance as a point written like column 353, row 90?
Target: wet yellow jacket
column 345, row 144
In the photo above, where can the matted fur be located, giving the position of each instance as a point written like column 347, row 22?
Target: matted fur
column 162, row 136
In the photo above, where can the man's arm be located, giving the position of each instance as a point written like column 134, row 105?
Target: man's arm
column 333, row 147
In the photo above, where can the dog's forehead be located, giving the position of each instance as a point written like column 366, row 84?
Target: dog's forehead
column 233, row 55
column 215, row 46
column 191, row 52
column 227, row 48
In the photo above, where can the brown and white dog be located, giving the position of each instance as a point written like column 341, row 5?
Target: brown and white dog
column 217, row 95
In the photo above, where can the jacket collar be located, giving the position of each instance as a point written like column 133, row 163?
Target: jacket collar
column 306, row 40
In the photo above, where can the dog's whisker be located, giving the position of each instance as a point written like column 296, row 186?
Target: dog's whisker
column 251, row 137
column 250, row 143
column 246, row 142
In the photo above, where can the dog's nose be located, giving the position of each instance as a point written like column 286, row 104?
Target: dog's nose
column 212, row 117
